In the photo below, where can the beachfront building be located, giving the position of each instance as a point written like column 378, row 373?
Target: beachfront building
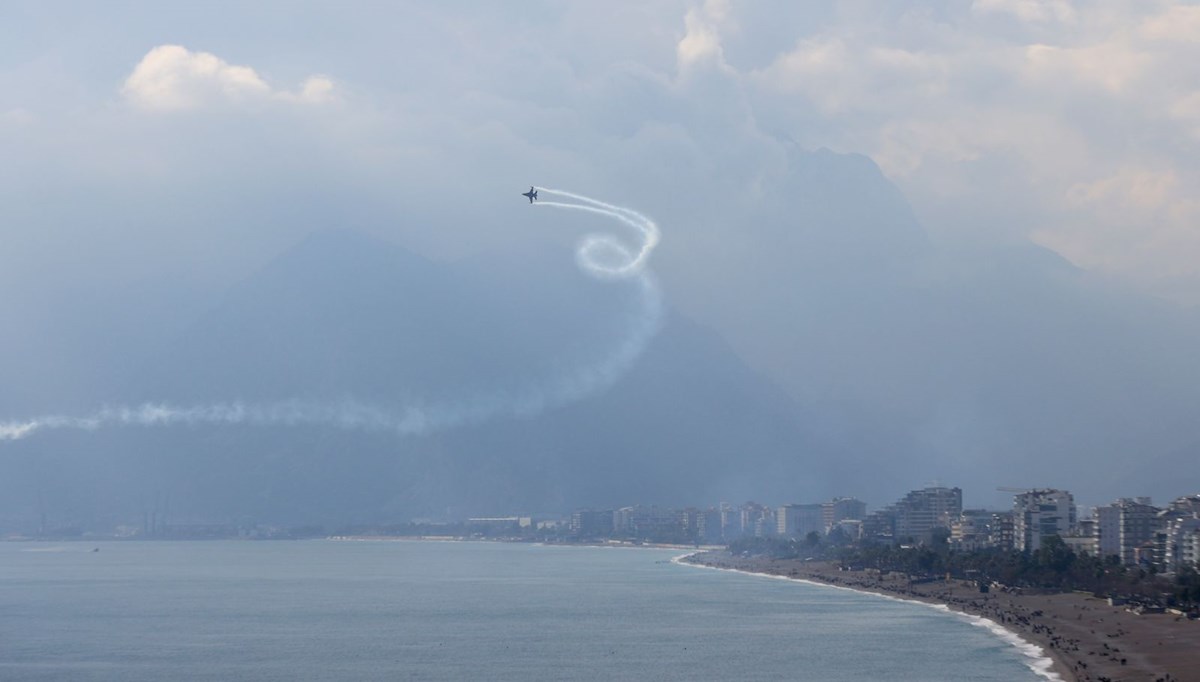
column 709, row 529
column 913, row 517
column 689, row 520
column 1139, row 524
column 1126, row 528
column 970, row 530
column 880, row 526
column 1000, row 531
column 649, row 523
column 497, row 525
column 1108, row 530
column 765, row 526
column 1179, row 529
column 590, row 523
column 798, row 520
column 1038, row 514
column 757, row 520
column 920, row 511
column 1189, row 547
column 848, row 529
column 700, row 525
column 1082, row 538
column 1187, row 506
column 731, row 522
column 841, row 509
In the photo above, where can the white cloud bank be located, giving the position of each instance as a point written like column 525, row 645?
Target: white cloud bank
column 1033, row 11
column 1001, row 120
column 1073, row 123
column 700, row 42
column 173, row 78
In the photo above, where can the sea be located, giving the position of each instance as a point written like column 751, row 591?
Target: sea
column 424, row 610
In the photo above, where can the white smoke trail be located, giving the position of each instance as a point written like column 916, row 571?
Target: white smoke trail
column 417, row 417
column 631, row 263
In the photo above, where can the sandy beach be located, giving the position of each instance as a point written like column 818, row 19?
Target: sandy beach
column 1088, row 640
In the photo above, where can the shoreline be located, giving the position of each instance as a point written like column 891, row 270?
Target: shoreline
column 617, row 544
column 1084, row 638
column 614, row 544
column 1041, row 663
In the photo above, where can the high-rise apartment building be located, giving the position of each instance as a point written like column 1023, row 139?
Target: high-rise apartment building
column 1126, row 527
column 1108, row 530
column 1179, row 528
column 913, row 517
column 1038, row 514
column 841, row 509
column 591, row 522
column 920, row 511
column 798, row 520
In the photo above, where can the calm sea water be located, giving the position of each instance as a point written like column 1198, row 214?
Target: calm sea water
column 325, row 610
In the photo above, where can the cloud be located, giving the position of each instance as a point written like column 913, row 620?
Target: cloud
column 1177, row 23
column 1000, row 121
column 959, row 105
column 1139, row 189
column 701, row 42
column 1126, row 221
column 316, row 89
column 16, row 117
column 992, row 116
column 1186, row 110
column 1033, row 11
column 173, row 78
column 1113, row 66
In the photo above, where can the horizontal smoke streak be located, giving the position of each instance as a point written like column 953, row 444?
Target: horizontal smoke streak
column 421, row 418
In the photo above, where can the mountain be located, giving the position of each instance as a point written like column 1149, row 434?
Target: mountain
column 1002, row 366
column 822, row 345
column 346, row 315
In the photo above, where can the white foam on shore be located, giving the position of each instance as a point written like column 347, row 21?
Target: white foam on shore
column 1036, row 659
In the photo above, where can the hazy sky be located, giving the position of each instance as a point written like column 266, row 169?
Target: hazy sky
column 154, row 155
column 1074, row 124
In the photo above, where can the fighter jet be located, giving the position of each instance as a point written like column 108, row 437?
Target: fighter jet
column 532, row 194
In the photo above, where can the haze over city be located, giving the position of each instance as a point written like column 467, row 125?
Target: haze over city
column 444, row 341
column 938, row 241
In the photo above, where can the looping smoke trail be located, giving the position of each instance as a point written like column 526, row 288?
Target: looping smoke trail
column 420, row 418
column 592, row 246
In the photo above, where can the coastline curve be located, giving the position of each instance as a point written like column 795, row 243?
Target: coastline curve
column 1036, row 659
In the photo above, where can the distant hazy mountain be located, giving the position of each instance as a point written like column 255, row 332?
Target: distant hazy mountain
column 841, row 352
column 1005, row 366
column 344, row 315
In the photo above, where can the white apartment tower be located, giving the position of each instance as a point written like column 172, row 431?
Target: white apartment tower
column 1125, row 526
column 1038, row 514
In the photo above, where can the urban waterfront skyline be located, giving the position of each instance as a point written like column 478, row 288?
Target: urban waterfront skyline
column 1132, row 530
